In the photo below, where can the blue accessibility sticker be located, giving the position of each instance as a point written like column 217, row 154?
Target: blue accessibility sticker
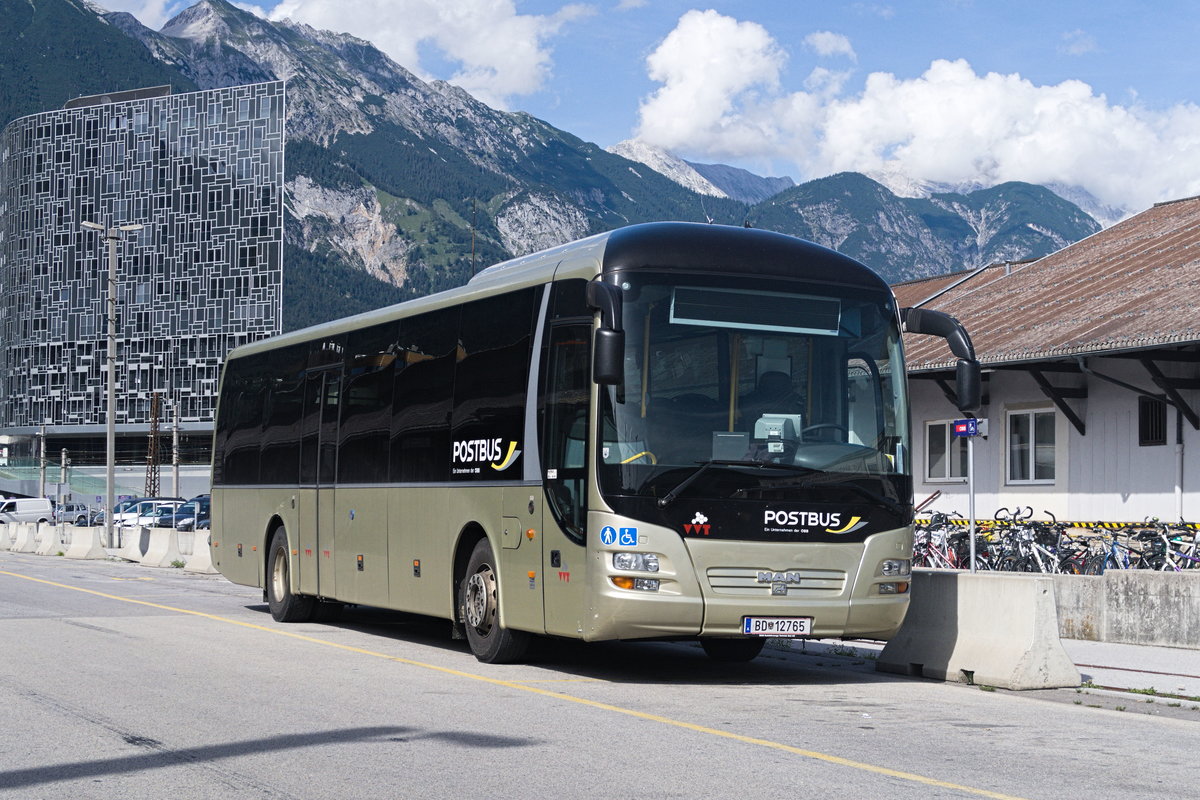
column 608, row 535
column 628, row 537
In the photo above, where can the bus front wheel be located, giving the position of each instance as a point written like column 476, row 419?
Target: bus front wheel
column 285, row 606
column 479, row 603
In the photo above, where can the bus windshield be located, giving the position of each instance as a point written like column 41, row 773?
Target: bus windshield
column 783, row 391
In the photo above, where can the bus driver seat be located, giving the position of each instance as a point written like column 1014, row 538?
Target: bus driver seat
column 772, row 395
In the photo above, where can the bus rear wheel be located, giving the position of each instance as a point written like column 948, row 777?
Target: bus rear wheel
column 731, row 651
column 285, row 606
column 479, row 604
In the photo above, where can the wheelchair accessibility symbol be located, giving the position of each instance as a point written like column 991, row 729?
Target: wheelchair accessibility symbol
column 626, row 537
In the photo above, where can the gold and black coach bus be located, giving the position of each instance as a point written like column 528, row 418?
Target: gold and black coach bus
column 669, row 431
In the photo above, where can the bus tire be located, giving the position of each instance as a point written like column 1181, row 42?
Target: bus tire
column 285, row 606
column 730, row 651
column 479, row 602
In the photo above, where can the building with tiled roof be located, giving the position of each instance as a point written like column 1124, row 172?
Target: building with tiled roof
column 1091, row 360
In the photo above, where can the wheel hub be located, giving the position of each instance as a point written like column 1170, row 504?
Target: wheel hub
column 480, row 605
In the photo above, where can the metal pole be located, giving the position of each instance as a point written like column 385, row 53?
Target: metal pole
column 110, row 436
column 42, row 462
column 175, row 451
column 971, row 495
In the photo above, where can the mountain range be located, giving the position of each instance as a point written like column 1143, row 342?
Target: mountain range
column 397, row 187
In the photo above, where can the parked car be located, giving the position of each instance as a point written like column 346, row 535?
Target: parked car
column 148, row 512
column 187, row 516
column 72, row 513
column 26, row 509
column 129, row 512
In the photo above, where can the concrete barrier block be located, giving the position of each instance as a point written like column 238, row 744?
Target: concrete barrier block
column 134, row 543
column 49, row 539
column 163, row 549
column 986, row 628
column 26, row 540
column 6, row 535
column 201, row 558
column 1154, row 608
column 86, row 542
column 1079, row 600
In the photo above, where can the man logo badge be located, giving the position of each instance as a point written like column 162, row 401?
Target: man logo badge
column 779, row 580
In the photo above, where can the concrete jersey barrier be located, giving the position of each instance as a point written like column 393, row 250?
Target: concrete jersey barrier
column 986, row 628
column 1131, row 607
column 85, row 542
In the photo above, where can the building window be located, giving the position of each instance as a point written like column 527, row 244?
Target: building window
column 1031, row 446
column 1152, row 421
column 945, row 453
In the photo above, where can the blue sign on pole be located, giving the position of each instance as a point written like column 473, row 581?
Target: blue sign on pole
column 966, row 427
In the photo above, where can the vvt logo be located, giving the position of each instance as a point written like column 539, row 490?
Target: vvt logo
column 698, row 526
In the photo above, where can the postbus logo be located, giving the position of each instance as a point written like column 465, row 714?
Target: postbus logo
column 470, row 456
column 829, row 522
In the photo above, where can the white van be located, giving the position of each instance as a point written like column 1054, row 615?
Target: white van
column 26, row 509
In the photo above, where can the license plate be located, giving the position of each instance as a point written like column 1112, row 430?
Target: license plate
column 777, row 626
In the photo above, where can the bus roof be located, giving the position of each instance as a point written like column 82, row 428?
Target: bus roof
column 656, row 246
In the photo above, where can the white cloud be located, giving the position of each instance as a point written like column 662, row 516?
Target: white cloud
column 949, row 125
column 827, row 43
column 257, row 11
column 1078, row 43
column 500, row 52
column 712, row 68
column 151, row 13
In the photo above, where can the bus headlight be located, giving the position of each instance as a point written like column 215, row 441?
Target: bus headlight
column 895, row 566
column 636, row 562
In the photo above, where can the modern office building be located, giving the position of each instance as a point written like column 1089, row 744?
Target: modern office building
column 202, row 174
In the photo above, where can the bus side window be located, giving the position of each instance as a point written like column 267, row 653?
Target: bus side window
column 564, row 456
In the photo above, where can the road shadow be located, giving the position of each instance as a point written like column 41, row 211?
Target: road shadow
column 640, row 662
column 157, row 755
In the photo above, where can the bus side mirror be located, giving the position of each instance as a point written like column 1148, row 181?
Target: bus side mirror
column 608, row 357
column 967, row 373
column 608, row 348
column 968, row 386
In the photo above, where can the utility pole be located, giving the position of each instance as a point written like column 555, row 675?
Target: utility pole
column 42, row 462
column 111, row 236
column 175, row 450
column 152, row 450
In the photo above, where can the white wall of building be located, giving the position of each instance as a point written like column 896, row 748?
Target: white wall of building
column 1104, row 475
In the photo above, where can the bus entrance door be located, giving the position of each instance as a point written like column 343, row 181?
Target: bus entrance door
column 318, row 470
column 565, row 471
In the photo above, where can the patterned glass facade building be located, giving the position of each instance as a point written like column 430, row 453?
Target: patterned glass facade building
column 203, row 173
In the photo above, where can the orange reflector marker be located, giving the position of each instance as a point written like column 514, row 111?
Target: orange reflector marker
column 254, row 548
column 901, row 588
column 529, row 534
column 532, row 574
column 622, row 582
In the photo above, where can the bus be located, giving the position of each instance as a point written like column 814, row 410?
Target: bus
column 669, row 431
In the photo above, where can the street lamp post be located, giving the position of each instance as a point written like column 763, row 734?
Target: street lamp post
column 112, row 236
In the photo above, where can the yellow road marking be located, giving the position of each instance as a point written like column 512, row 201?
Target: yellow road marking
column 562, row 680
column 675, row 723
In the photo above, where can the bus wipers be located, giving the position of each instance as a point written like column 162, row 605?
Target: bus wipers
column 670, row 496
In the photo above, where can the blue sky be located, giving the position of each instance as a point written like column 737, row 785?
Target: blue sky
column 1101, row 95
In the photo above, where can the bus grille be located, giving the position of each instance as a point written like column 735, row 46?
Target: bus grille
column 745, row 581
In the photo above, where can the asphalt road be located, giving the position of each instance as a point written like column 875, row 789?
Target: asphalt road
column 120, row 681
